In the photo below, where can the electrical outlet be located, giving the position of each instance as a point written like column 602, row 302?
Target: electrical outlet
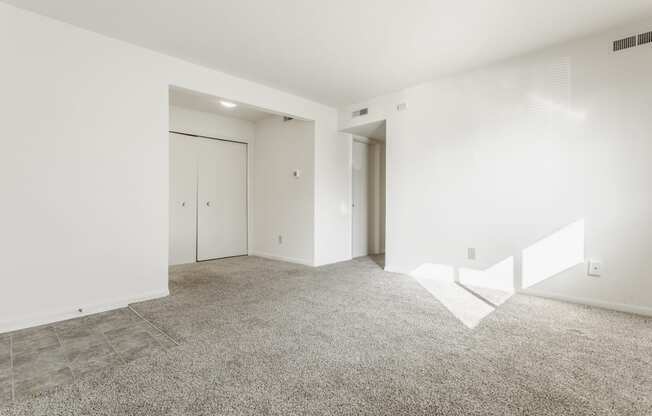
column 280, row 239
column 470, row 254
column 595, row 269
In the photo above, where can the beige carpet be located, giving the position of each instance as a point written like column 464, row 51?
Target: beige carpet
column 264, row 337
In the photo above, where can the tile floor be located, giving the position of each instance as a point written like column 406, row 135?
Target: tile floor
column 37, row 359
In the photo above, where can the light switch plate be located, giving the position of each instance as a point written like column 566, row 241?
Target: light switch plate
column 595, row 268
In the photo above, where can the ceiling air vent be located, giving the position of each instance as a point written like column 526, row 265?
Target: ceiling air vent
column 644, row 38
column 625, row 43
column 362, row 112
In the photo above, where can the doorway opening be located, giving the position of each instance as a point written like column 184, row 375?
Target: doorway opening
column 368, row 198
column 213, row 167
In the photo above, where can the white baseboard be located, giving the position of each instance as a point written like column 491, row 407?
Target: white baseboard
column 620, row 307
column 281, row 258
column 62, row 315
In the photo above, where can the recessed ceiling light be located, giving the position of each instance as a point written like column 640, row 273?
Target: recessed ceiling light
column 228, row 104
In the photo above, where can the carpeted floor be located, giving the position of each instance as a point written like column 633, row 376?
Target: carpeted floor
column 265, row 337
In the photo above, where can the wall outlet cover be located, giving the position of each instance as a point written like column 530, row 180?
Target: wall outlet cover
column 595, row 268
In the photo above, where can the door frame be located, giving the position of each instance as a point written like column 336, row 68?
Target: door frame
column 380, row 245
column 356, row 129
column 367, row 142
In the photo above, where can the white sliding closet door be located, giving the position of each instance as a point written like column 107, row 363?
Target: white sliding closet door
column 183, row 197
column 222, row 199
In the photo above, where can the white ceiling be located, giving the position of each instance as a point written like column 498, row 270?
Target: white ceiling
column 342, row 51
column 209, row 104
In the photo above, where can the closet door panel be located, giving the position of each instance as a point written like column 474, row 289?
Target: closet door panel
column 222, row 198
column 183, row 196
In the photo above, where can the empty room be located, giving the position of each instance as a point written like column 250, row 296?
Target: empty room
column 326, row 208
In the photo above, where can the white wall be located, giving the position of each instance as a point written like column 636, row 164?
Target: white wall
column 184, row 120
column 190, row 121
column 504, row 156
column 283, row 204
column 332, row 197
column 383, row 196
column 84, row 167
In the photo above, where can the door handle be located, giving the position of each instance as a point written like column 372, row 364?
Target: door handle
column 208, row 203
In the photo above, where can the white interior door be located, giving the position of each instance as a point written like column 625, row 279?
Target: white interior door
column 360, row 198
column 222, row 199
column 183, row 195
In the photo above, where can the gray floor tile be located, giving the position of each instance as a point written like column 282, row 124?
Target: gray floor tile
column 5, row 375
column 125, row 338
column 80, row 341
column 164, row 340
column 5, row 384
column 134, row 343
column 98, row 323
column 5, row 361
column 34, row 339
column 70, row 324
column 5, row 392
column 5, row 354
column 142, row 351
column 32, row 332
column 52, row 355
column 72, row 333
column 41, row 383
column 33, row 363
column 84, row 352
column 109, row 321
column 82, row 369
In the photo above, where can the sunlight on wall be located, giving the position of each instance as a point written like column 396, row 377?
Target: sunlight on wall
column 439, row 280
column 554, row 254
column 499, row 276
column 471, row 295
column 435, row 271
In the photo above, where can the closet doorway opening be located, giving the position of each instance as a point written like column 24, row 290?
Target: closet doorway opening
column 368, row 173
column 212, row 173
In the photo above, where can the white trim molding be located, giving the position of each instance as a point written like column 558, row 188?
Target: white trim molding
column 620, row 307
column 596, row 303
column 281, row 258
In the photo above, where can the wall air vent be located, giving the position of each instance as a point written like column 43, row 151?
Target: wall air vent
column 625, row 43
column 362, row 112
column 644, row 38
